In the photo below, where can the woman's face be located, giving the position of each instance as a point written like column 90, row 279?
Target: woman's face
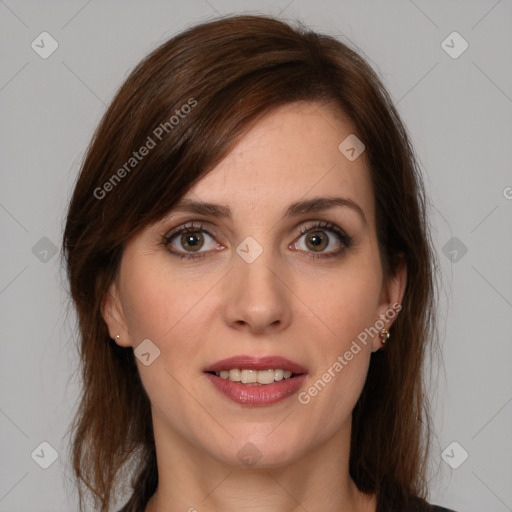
column 269, row 280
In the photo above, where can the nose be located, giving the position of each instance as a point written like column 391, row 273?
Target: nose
column 257, row 299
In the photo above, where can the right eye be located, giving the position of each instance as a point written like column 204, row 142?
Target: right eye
column 188, row 240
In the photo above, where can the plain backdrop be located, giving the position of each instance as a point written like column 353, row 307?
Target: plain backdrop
column 457, row 106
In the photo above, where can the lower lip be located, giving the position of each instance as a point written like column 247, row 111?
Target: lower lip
column 257, row 396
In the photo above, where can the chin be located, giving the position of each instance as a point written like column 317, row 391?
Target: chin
column 261, row 450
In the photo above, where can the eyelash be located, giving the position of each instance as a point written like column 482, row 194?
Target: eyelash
column 342, row 237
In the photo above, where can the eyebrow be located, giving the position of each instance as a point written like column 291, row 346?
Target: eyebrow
column 295, row 209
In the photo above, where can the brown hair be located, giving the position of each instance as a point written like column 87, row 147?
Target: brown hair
column 230, row 72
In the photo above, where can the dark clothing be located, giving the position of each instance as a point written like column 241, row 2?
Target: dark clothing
column 384, row 505
column 415, row 504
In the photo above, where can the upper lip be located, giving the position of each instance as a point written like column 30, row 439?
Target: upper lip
column 256, row 363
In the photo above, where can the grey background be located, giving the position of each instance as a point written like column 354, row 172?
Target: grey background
column 458, row 112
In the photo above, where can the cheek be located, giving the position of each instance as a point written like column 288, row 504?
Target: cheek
column 144, row 307
column 347, row 301
column 155, row 303
column 347, row 308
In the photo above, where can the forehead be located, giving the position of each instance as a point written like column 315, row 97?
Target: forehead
column 291, row 153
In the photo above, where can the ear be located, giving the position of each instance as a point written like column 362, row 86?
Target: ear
column 390, row 302
column 112, row 313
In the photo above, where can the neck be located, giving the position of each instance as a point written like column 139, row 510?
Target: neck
column 193, row 481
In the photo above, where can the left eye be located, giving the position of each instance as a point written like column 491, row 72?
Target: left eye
column 317, row 240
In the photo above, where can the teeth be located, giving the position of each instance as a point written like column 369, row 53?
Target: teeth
column 254, row 376
column 264, row 376
column 234, row 375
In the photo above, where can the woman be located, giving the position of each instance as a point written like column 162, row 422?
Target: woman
column 247, row 231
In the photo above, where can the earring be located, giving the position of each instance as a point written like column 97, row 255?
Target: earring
column 384, row 335
column 117, row 337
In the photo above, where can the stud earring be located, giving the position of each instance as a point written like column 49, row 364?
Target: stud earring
column 117, row 337
column 384, row 335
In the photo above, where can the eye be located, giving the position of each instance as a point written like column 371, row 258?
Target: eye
column 187, row 241
column 191, row 241
column 316, row 240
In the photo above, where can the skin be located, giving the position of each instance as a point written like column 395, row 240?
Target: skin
column 284, row 303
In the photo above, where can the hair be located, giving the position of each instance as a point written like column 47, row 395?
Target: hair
column 194, row 97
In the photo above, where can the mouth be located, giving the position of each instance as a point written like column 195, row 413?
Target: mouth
column 255, row 381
